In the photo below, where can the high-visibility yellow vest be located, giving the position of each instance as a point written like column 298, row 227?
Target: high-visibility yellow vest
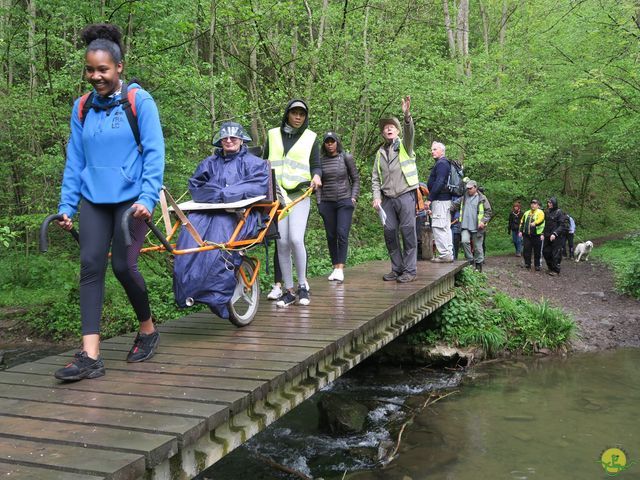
column 407, row 165
column 292, row 169
column 538, row 217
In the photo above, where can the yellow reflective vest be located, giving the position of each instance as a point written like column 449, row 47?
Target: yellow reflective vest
column 407, row 165
column 538, row 218
column 292, row 169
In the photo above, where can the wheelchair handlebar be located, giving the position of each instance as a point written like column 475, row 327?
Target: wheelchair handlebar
column 44, row 242
column 152, row 226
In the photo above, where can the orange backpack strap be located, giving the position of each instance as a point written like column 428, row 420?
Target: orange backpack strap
column 84, row 106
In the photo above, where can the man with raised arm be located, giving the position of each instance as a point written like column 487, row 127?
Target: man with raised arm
column 394, row 181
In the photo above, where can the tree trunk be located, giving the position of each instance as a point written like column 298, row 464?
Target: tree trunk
column 365, row 108
column 33, row 78
column 212, row 57
column 449, row 29
column 253, row 89
column 485, row 26
column 129, row 37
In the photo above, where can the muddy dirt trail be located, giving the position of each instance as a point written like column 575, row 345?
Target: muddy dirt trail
column 586, row 290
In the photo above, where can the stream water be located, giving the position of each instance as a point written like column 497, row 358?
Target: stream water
column 550, row 418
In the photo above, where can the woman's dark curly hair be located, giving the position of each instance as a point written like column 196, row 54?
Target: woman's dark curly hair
column 106, row 37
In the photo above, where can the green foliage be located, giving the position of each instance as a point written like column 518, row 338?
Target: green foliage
column 624, row 256
column 46, row 287
column 495, row 321
column 552, row 109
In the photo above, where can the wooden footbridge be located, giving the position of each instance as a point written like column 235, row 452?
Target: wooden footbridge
column 210, row 387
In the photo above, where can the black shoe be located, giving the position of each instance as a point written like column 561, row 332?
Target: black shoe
column 390, row 277
column 144, row 346
column 303, row 296
column 479, row 267
column 405, row 278
column 528, row 267
column 82, row 366
column 286, row 299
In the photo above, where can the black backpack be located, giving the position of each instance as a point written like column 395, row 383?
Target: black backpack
column 455, row 182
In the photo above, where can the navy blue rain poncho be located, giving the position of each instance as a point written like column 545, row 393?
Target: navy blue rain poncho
column 209, row 277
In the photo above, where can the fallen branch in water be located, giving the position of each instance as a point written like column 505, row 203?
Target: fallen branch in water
column 428, row 402
column 282, row 468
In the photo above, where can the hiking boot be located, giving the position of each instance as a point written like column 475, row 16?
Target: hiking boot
column 303, row 295
column 406, row 278
column 390, row 277
column 82, row 366
column 479, row 267
column 275, row 293
column 144, row 346
column 528, row 267
column 445, row 259
column 286, row 299
column 537, row 269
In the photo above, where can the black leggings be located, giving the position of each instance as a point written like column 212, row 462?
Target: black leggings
column 337, row 223
column 99, row 229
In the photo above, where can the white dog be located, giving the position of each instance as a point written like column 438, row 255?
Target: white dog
column 583, row 249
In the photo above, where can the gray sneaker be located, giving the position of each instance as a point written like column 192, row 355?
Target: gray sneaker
column 406, row 278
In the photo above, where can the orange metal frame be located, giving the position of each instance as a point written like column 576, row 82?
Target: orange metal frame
column 273, row 209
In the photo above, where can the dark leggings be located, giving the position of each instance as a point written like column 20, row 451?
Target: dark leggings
column 100, row 228
column 337, row 223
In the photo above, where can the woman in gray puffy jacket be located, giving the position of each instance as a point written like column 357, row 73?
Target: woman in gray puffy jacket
column 337, row 199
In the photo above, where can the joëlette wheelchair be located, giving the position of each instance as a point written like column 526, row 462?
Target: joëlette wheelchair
column 244, row 302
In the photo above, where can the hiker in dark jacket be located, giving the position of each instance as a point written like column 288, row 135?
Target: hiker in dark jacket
column 439, row 204
column 337, row 199
column 513, row 227
column 555, row 228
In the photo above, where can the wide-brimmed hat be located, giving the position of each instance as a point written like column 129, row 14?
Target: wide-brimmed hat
column 231, row 129
column 389, row 120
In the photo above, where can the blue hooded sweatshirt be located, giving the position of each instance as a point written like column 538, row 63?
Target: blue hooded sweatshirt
column 103, row 162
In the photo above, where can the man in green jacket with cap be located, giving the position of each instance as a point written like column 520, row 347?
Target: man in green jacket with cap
column 394, row 180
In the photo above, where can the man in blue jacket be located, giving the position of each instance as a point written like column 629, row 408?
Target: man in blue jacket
column 439, row 204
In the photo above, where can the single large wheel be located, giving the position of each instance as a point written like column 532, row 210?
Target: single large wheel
column 243, row 305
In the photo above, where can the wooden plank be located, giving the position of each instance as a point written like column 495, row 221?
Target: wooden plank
column 138, row 389
column 15, row 471
column 46, row 367
column 213, row 414
column 235, row 383
column 225, row 351
column 181, row 339
column 186, row 429
column 165, row 358
column 154, row 447
column 66, row 461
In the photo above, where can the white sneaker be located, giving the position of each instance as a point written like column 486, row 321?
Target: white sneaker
column 332, row 277
column 275, row 293
column 338, row 275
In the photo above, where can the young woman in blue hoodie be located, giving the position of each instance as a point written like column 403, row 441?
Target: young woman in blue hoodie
column 106, row 173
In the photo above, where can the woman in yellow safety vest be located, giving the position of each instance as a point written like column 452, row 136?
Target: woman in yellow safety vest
column 294, row 154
